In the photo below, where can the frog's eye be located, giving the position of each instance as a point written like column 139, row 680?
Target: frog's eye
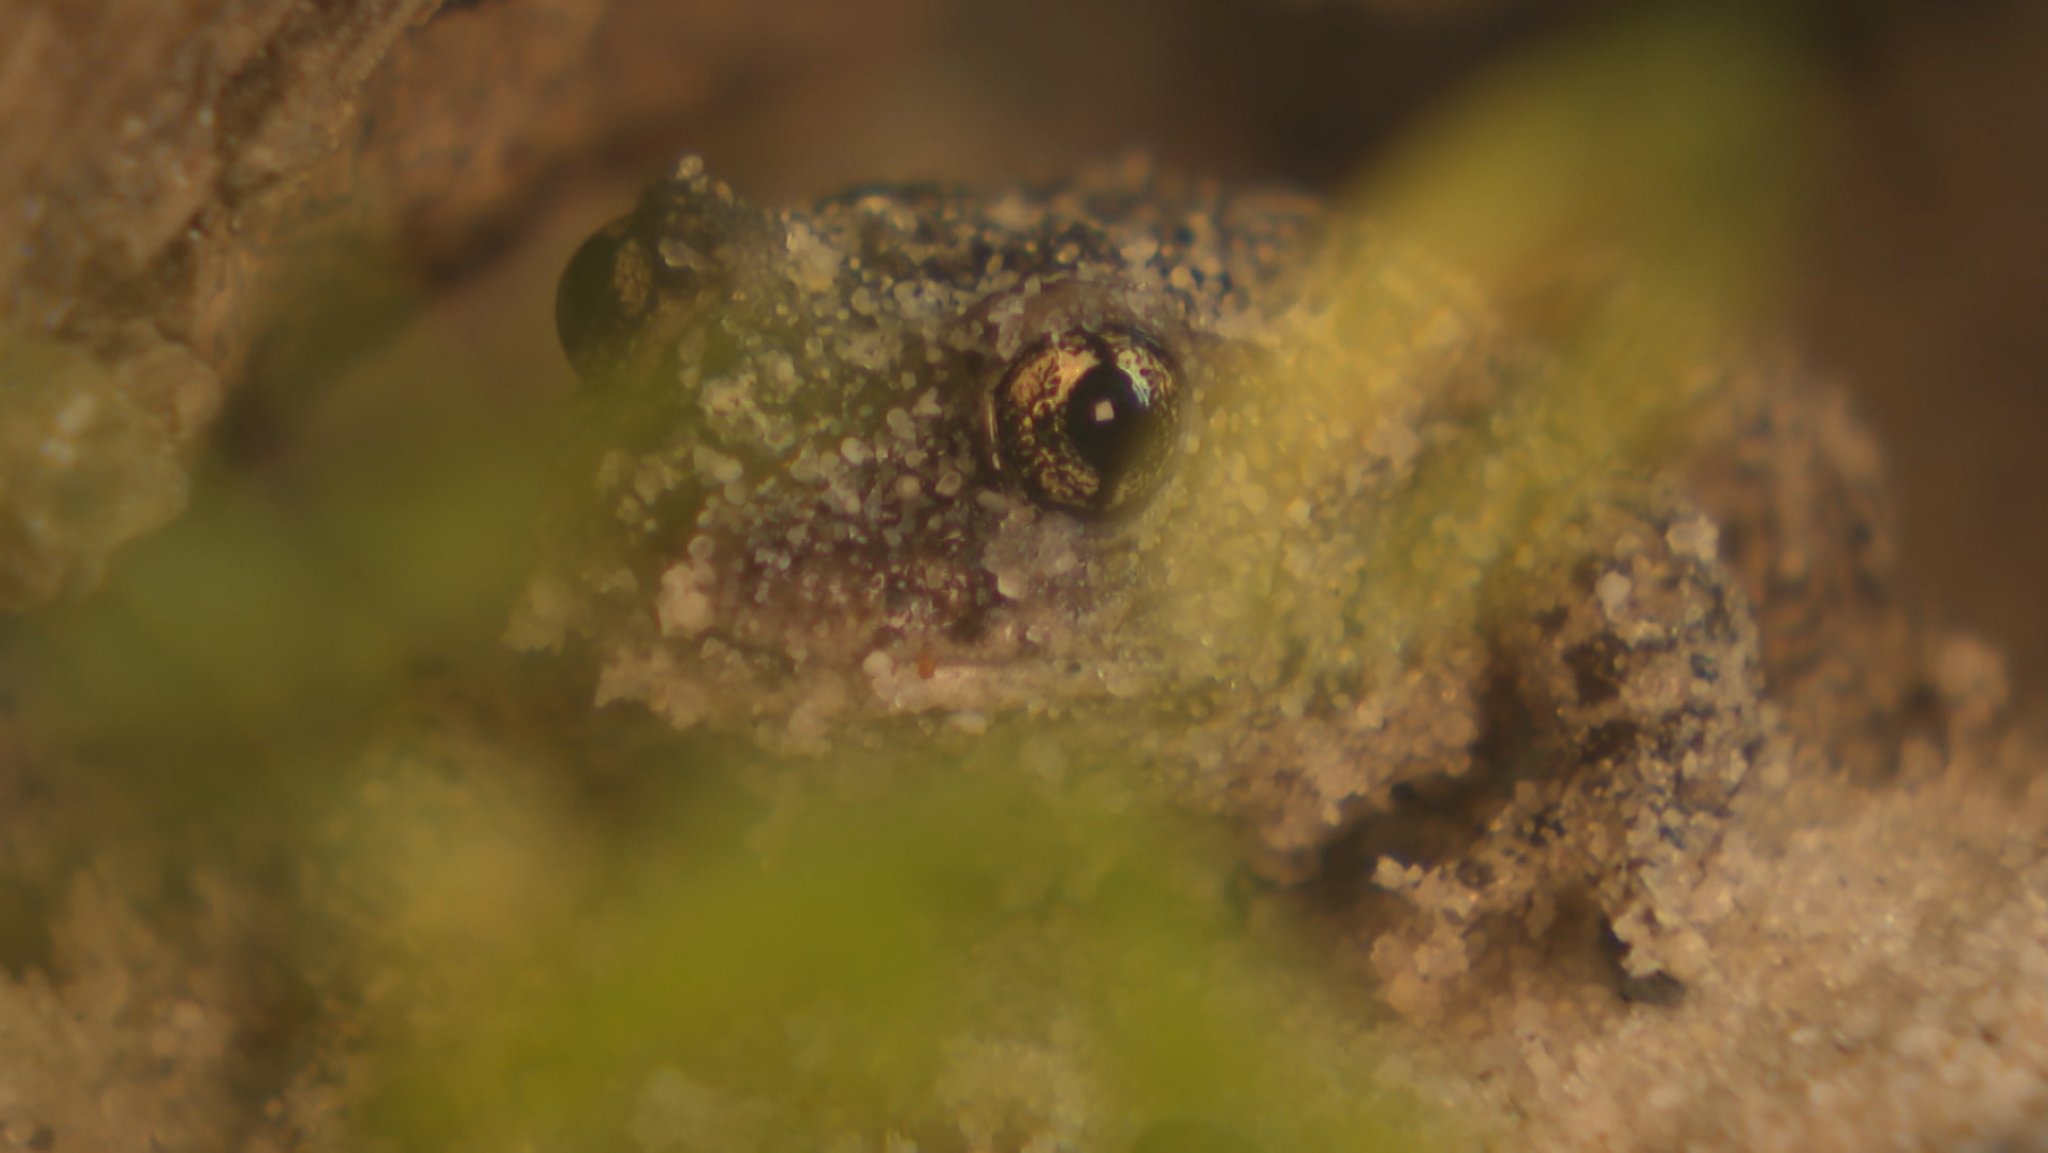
column 600, row 298
column 1085, row 420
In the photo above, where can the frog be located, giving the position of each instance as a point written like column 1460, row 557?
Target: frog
column 1098, row 461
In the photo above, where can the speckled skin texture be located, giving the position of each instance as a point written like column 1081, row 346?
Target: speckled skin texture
column 799, row 528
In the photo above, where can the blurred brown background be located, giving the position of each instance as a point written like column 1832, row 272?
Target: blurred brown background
column 169, row 169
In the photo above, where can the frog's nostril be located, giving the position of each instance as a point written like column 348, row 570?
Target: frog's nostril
column 600, row 298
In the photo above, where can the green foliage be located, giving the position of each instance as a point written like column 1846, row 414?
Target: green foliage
column 370, row 527
column 836, row 988
column 1627, row 198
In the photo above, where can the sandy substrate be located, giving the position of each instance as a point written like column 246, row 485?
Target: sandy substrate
column 1877, row 963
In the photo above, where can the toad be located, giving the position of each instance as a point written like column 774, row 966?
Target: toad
column 1221, row 493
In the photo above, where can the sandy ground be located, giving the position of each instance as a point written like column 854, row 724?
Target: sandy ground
column 168, row 173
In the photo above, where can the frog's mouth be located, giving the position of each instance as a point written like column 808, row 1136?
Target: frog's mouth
column 804, row 674
column 1016, row 614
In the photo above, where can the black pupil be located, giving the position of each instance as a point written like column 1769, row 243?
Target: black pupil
column 1108, row 424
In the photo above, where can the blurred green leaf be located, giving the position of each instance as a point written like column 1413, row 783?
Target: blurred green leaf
column 1626, row 198
column 837, row 980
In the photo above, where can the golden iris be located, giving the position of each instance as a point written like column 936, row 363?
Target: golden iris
column 1084, row 420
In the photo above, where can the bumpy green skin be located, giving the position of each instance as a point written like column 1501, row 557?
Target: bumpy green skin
column 798, row 529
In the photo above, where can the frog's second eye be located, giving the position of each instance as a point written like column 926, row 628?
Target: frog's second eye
column 599, row 299
column 1085, row 420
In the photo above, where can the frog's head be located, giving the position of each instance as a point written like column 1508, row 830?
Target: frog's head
column 901, row 452
column 921, row 453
